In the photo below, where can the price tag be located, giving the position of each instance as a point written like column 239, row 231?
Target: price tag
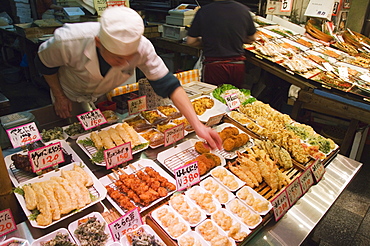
column 92, row 119
column 214, row 120
column 365, row 77
column 136, row 105
column 294, row 191
column 343, row 72
column 232, row 101
column 328, row 66
column 127, row 223
column 306, row 180
column 24, row 134
column 318, row 170
column 118, row 155
column 46, row 156
column 174, row 134
column 7, row 223
column 286, row 5
column 280, row 205
column 187, row 175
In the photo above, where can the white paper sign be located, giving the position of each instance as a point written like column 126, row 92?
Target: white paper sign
column 318, row 170
column 365, row 77
column 92, row 119
column 127, row 223
column 187, row 175
column 343, row 72
column 137, row 105
column 46, row 156
column 24, row 134
column 174, row 134
column 7, row 223
column 306, row 180
column 118, row 155
column 320, row 9
column 232, row 101
column 280, row 205
column 214, row 120
column 286, row 5
column 328, row 66
column 294, row 191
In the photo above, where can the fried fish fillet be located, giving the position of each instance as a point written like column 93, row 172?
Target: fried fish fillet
column 63, row 199
column 87, row 179
column 43, row 205
column 54, row 205
column 30, row 197
column 66, row 185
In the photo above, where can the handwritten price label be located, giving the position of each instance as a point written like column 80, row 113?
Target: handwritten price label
column 173, row 134
column 92, row 119
column 318, row 170
column 118, row 155
column 7, row 223
column 187, row 176
column 22, row 135
column 214, row 120
column 294, row 191
column 286, row 5
column 232, row 101
column 280, row 205
column 306, row 180
column 46, row 156
column 136, row 105
column 127, row 223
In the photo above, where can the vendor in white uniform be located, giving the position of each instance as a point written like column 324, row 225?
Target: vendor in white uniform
column 84, row 61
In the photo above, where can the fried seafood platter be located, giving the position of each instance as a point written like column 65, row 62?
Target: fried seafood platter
column 142, row 184
column 207, row 106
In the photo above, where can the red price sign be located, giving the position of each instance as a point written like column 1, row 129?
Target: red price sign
column 136, row 105
column 174, row 134
column 214, row 120
column 294, row 191
column 7, row 223
column 187, row 176
column 46, row 156
column 127, row 223
column 318, row 170
column 306, row 180
column 118, row 155
column 22, row 135
column 280, row 205
column 232, row 101
column 92, row 119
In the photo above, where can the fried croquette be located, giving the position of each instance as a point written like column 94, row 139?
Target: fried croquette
column 228, row 144
column 201, row 147
column 214, row 157
column 234, row 131
column 206, row 162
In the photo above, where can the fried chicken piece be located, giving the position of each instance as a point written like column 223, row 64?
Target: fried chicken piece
column 201, row 147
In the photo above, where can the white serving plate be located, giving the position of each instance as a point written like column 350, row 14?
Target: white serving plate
column 97, row 189
column 243, row 227
column 105, row 180
column 255, row 195
column 170, row 209
column 220, row 231
column 18, row 176
column 240, row 219
column 89, row 150
column 232, row 154
column 202, row 190
column 74, row 136
column 73, row 226
column 125, row 242
column 218, row 108
column 195, row 235
column 239, row 181
column 192, row 206
column 51, row 236
column 14, row 241
column 229, row 194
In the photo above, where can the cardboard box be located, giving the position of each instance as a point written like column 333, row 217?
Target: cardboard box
column 174, row 32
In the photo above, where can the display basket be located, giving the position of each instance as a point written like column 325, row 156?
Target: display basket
column 316, row 33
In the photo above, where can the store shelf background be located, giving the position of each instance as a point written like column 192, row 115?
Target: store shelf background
column 346, row 223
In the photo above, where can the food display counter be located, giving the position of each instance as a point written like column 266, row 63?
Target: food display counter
column 224, row 187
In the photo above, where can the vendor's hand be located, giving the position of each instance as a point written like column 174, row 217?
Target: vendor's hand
column 63, row 107
column 210, row 135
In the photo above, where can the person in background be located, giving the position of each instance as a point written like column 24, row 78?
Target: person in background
column 222, row 27
column 84, row 61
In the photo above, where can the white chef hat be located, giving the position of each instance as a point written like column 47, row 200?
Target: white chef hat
column 121, row 29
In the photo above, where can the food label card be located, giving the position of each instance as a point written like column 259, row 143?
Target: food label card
column 46, row 156
column 174, row 134
column 7, row 223
column 306, row 180
column 187, row 175
column 214, row 120
column 318, row 170
column 286, row 5
column 294, row 191
column 280, row 205
column 137, row 105
column 232, row 101
column 92, row 119
column 24, row 134
column 118, row 155
column 127, row 223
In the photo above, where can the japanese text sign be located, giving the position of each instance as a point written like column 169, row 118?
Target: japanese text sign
column 280, row 205
column 118, row 155
column 92, row 119
column 294, row 191
column 286, row 5
column 24, row 134
column 214, row 120
column 232, row 101
column 7, row 223
column 127, row 223
column 306, row 180
column 137, row 105
column 317, row 169
column 187, row 175
column 174, row 134
column 46, row 156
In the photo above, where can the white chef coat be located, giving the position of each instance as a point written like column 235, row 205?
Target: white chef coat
column 73, row 50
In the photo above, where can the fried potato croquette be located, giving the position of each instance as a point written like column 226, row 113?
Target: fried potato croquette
column 201, row 147
column 228, row 144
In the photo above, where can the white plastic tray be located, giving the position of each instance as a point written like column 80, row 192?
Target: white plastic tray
column 239, row 181
column 218, row 108
column 200, row 189
column 14, row 241
column 220, row 231
column 51, row 236
column 239, row 218
column 125, row 242
column 256, row 196
column 194, row 235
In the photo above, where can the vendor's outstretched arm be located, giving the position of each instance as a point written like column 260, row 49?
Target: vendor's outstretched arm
column 182, row 102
